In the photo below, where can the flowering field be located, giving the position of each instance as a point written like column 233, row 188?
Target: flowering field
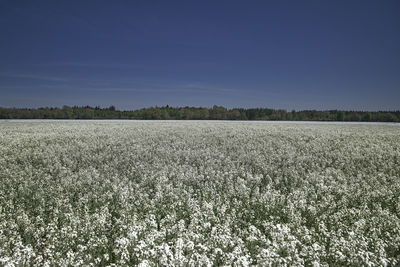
column 199, row 193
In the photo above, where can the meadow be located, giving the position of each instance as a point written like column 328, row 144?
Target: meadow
column 196, row 193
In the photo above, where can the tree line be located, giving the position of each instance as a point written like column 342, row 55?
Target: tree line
column 197, row 113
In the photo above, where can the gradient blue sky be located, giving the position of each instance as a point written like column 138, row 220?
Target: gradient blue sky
column 134, row 54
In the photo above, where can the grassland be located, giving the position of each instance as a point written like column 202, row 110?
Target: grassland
column 199, row 193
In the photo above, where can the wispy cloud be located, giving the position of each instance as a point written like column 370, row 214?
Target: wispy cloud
column 114, row 84
column 33, row 77
column 201, row 87
column 168, row 87
column 127, row 89
column 76, row 64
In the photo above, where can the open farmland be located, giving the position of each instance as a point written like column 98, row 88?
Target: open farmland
column 199, row 193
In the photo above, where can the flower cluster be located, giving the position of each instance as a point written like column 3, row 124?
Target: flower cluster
column 199, row 193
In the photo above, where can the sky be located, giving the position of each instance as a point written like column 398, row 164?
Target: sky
column 133, row 54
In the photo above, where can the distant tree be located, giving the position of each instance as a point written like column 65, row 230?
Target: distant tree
column 193, row 113
column 164, row 114
column 340, row 116
column 293, row 115
column 366, row 116
column 67, row 112
column 387, row 117
column 234, row 114
column 251, row 114
column 353, row 116
column 218, row 113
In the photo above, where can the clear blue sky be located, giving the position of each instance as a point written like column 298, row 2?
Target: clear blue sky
column 134, row 54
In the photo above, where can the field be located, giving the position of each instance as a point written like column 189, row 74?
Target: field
column 199, row 193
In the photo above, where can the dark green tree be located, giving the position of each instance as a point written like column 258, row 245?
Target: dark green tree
column 340, row 116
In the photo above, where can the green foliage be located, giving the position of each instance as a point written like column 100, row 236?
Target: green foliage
column 340, row 116
column 192, row 113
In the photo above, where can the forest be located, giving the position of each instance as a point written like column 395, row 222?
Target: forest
column 196, row 113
